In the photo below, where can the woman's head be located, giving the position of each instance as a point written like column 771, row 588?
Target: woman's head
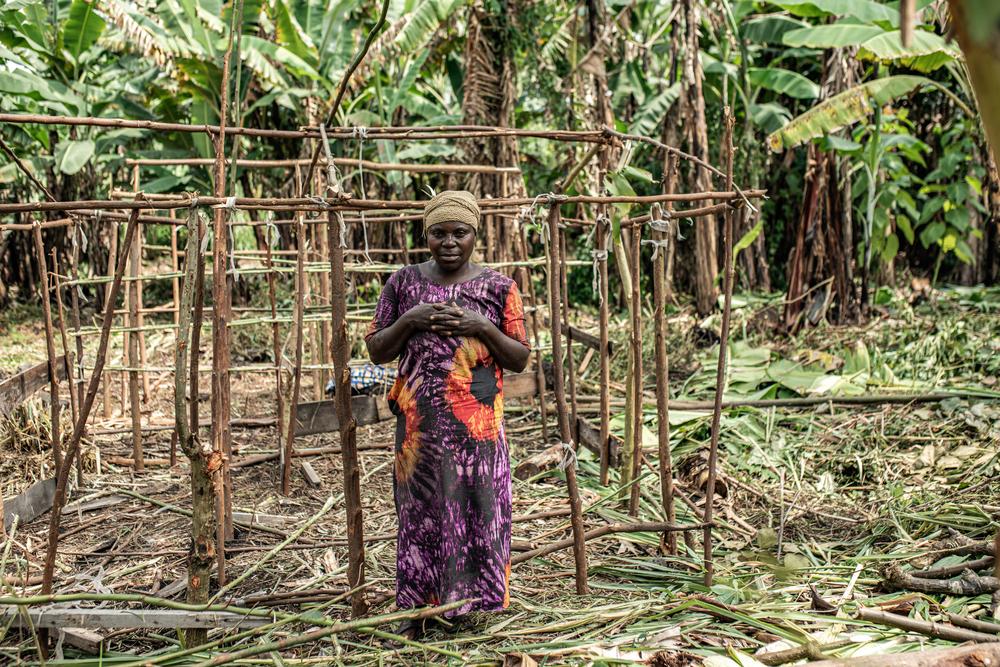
column 451, row 219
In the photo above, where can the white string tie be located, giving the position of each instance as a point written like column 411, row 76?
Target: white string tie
column 359, row 132
column 595, row 282
column 319, row 201
column 273, row 236
column 657, row 244
column 229, row 204
column 342, row 227
column 568, row 456
column 204, row 240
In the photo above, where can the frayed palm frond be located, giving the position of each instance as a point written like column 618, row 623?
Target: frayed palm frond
column 138, row 31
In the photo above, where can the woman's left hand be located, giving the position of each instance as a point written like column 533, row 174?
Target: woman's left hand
column 453, row 320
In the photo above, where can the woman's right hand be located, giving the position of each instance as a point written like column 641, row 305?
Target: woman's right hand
column 426, row 316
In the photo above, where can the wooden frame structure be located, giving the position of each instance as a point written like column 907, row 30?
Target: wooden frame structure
column 321, row 274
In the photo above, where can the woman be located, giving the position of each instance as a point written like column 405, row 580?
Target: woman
column 455, row 326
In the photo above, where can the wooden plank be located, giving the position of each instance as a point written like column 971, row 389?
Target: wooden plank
column 258, row 519
column 590, row 437
column 321, row 416
column 112, row 619
column 588, row 339
column 311, row 476
column 520, row 385
column 30, row 505
column 86, row 640
column 19, row 388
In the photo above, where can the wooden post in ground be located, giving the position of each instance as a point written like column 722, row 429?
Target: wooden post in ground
column 720, row 376
column 601, row 257
column 668, row 540
column 275, row 337
column 555, row 318
column 535, row 328
column 221, row 408
column 570, row 360
column 50, row 345
column 74, row 301
column 345, row 416
column 140, row 319
column 67, row 357
column 112, row 263
column 299, row 332
column 636, row 345
column 54, row 404
column 73, row 445
column 134, row 360
column 203, row 545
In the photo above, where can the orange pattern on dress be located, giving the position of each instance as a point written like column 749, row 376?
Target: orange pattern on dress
column 482, row 419
column 409, row 451
column 513, row 316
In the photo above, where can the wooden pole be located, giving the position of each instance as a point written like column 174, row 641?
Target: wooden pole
column 603, row 235
column 535, row 328
column 175, row 267
column 112, row 263
column 140, row 318
column 298, row 330
column 720, row 376
column 669, row 539
column 74, row 300
column 348, row 425
column 570, row 360
column 555, row 317
column 50, row 347
column 134, row 359
column 73, row 445
column 203, row 491
column 275, row 339
column 636, row 345
column 221, row 408
column 67, row 357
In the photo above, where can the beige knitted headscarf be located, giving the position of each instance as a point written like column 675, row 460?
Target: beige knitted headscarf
column 452, row 205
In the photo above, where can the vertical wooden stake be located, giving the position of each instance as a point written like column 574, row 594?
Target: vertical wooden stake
column 134, row 360
column 62, row 477
column 141, row 317
column 669, row 539
column 720, row 376
column 275, row 337
column 67, row 357
column 555, row 317
column 175, row 267
column 74, row 300
column 535, row 327
column 603, row 234
column 203, row 531
column 570, row 361
column 112, row 263
column 298, row 330
column 636, row 345
column 348, row 425
column 50, row 346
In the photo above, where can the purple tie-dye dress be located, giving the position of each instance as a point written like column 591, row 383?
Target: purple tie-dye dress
column 451, row 480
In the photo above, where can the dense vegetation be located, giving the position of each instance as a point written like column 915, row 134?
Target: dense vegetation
column 871, row 152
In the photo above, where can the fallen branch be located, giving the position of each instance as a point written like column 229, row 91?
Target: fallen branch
column 974, row 624
column 969, row 584
column 961, row 656
column 948, row 571
column 928, row 628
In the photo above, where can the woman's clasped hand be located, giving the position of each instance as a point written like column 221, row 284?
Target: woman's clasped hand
column 447, row 319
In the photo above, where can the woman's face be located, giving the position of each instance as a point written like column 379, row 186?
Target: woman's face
column 451, row 244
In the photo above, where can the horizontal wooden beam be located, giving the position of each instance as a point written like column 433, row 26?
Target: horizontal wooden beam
column 19, row 388
column 109, row 619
